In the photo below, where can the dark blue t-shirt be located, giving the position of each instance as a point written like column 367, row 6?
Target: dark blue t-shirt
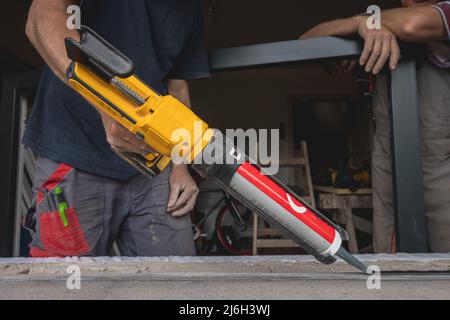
column 164, row 38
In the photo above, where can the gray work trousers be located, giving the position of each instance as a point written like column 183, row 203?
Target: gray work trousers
column 434, row 98
column 102, row 211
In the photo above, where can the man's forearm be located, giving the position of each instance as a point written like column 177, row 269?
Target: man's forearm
column 46, row 29
column 179, row 89
column 415, row 24
column 340, row 28
column 418, row 24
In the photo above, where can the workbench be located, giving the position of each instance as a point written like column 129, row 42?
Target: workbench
column 343, row 201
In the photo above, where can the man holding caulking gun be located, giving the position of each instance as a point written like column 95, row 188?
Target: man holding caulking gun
column 87, row 196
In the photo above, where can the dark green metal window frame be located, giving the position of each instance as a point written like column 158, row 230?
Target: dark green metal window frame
column 406, row 155
column 12, row 86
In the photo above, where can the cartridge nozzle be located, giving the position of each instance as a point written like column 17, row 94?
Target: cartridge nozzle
column 350, row 259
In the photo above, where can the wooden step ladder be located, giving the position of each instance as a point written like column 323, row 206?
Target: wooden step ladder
column 264, row 236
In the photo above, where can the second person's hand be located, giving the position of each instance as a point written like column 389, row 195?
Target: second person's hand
column 380, row 45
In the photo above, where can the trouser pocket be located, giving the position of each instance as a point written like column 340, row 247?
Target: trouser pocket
column 62, row 240
column 75, row 228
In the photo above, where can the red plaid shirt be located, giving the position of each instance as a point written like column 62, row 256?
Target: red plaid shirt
column 440, row 51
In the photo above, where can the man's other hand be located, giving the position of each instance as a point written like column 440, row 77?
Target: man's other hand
column 380, row 46
column 183, row 192
column 122, row 140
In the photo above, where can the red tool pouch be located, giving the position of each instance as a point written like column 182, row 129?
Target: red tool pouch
column 56, row 239
column 59, row 240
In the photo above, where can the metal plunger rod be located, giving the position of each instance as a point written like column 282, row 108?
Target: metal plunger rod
column 350, row 259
